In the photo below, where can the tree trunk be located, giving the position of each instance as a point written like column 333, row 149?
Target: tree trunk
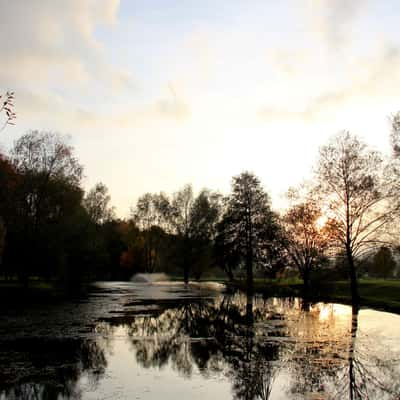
column 249, row 272
column 249, row 310
column 229, row 272
column 306, row 283
column 186, row 260
column 186, row 273
column 353, row 277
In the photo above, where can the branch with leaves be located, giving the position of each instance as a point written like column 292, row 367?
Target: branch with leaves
column 7, row 107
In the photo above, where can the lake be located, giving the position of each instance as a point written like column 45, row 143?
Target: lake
column 165, row 340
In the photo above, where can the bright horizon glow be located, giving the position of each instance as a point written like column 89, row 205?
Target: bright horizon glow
column 156, row 94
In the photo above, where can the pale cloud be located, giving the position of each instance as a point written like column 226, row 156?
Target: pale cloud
column 287, row 62
column 333, row 19
column 51, row 41
column 57, row 111
column 171, row 106
column 371, row 77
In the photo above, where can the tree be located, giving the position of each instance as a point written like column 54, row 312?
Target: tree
column 151, row 215
column 99, row 216
column 204, row 215
column 48, row 204
column 226, row 251
column 97, row 204
column 132, row 258
column 383, row 263
column 249, row 226
column 43, row 158
column 355, row 196
column 193, row 221
column 395, row 135
column 46, row 153
column 152, row 210
column 9, row 184
column 7, row 107
column 305, row 242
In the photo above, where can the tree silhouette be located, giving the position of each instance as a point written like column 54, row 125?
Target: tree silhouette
column 47, row 211
column 248, row 226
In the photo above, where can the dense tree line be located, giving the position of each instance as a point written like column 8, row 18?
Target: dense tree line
column 49, row 229
column 345, row 219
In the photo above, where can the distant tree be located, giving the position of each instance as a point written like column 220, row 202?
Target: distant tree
column 356, row 197
column 7, row 107
column 132, row 259
column 305, row 241
column 393, row 172
column 97, row 204
column 114, row 247
column 383, row 264
column 193, row 220
column 182, row 203
column 151, row 215
column 204, row 214
column 181, row 207
column 99, row 217
column 248, row 225
column 152, row 210
column 395, row 134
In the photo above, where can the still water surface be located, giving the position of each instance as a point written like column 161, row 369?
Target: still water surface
column 168, row 341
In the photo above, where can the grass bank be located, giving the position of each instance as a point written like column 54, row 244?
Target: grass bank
column 377, row 293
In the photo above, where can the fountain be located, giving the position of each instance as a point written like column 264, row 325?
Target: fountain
column 149, row 278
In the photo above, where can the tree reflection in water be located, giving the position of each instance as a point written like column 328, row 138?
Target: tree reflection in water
column 252, row 341
column 265, row 347
column 329, row 361
column 217, row 336
column 371, row 376
column 48, row 369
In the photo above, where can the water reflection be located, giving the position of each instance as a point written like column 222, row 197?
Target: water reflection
column 260, row 348
column 371, row 376
column 314, row 345
column 49, row 369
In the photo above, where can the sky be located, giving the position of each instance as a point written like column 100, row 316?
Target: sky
column 155, row 94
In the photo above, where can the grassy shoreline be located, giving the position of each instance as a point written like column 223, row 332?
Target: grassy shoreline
column 378, row 293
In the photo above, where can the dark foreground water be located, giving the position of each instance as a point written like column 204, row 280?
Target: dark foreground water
column 166, row 341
